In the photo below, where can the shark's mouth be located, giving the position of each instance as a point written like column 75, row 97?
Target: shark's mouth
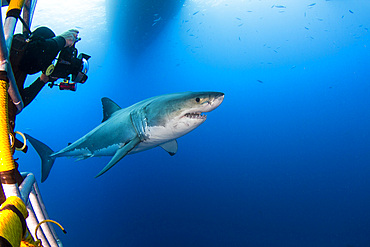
column 196, row 115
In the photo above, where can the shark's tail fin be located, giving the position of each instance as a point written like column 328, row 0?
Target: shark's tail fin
column 44, row 152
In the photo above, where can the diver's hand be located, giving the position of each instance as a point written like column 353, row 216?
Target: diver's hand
column 45, row 79
column 70, row 37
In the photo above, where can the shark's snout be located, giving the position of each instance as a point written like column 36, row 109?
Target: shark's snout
column 218, row 99
column 214, row 101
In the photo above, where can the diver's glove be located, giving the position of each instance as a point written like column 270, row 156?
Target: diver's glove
column 45, row 79
column 70, row 37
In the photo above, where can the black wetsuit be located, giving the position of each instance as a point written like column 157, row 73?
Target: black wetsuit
column 38, row 56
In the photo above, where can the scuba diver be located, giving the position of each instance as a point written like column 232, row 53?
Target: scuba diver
column 29, row 55
column 22, row 55
column 35, row 55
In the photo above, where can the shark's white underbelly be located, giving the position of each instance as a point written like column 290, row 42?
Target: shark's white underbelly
column 86, row 153
column 145, row 146
column 109, row 151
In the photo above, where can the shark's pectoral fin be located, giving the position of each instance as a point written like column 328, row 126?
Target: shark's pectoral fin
column 121, row 152
column 170, row 147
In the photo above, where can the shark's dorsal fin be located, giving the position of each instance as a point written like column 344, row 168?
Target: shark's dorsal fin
column 109, row 107
column 170, row 147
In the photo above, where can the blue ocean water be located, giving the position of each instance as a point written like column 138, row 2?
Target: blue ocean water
column 284, row 161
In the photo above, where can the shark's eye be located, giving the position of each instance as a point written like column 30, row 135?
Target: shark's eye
column 197, row 99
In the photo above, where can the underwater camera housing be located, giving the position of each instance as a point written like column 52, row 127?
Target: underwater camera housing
column 68, row 63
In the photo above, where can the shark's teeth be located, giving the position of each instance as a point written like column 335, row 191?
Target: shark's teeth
column 195, row 115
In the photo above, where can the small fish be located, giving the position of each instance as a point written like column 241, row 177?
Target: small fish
column 280, row 6
column 312, row 4
column 196, row 12
column 319, row 19
column 293, row 67
column 239, row 38
column 156, row 20
column 260, row 81
column 238, row 18
column 350, row 11
column 306, row 28
column 240, row 25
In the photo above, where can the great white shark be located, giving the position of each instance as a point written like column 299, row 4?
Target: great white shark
column 157, row 121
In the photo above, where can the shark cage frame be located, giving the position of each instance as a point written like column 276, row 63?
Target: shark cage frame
column 28, row 190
